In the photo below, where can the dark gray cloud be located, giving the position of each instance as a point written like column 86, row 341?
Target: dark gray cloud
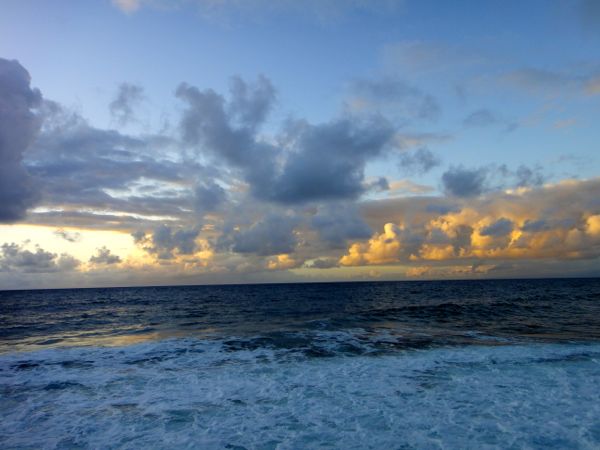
column 272, row 235
column 338, row 223
column 462, row 182
column 380, row 184
column 209, row 197
column 535, row 226
column 128, row 97
column 392, row 96
column 80, row 166
column 545, row 224
column 420, row 161
column 19, row 126
column 164, row 241
column 499, row 228
column 226, row 130
column 527, row 176
column 327, row 161
column 16, row 258
column 104, row 256
column 311, row 163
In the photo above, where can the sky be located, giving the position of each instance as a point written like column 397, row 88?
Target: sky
column 155, row 142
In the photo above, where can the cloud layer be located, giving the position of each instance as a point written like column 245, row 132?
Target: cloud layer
column 19, row 126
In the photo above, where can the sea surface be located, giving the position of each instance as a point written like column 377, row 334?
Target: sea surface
column 387, row 365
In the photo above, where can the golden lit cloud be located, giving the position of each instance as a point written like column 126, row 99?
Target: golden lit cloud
column 558, row 221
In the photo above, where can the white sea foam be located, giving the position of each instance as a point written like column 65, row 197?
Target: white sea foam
column 185, row 393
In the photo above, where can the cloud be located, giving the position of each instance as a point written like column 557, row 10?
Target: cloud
column 272, row 235
column 70, row 236
column 337, row 224
column 282, row 262
column 104, row 256
column 501, row 227
column 420, row 161
column 80, row 167
column 327, row 161
column 484, row 118
column 226, row 130
column 19, row 126
column 321, row 263
column 127, row 98
column 311, row 163
column 553, row 222
column 209, row 197
column 392, row 96
column 408, row 187
column 524, row 176
column 16, row 258
column 462, row 182
column 166, row 242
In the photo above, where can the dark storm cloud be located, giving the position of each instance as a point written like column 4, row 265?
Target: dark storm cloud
column 499, row 228
column 338, row 223
column 16, row 258
column 394, row 95
column 128, row 97
column 420, row 161
column 164, row 241
column 315, row 162
column 462, row 182
column 104, row 256
column 19, row 126
column 272, row 235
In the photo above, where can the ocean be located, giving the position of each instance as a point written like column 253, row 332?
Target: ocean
column 385, row 365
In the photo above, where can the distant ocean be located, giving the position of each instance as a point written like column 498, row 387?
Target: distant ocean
column 390, row 365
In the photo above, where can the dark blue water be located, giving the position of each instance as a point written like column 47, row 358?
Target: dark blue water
column 416, row 313
column 459, row 364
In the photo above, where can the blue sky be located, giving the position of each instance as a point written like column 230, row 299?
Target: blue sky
column 508, row 89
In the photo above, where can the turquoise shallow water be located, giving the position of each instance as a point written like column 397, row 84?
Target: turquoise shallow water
column 391, row 365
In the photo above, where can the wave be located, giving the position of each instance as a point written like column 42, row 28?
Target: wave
column 333, row 389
